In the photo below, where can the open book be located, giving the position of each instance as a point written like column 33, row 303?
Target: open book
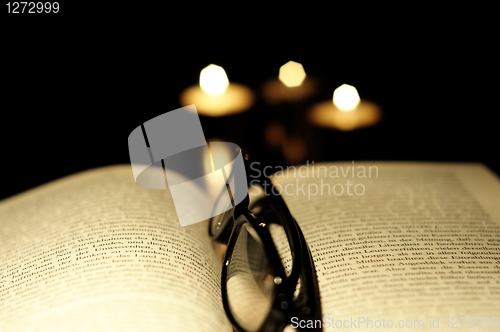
column 416, row 244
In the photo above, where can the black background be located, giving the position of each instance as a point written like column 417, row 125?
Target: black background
column 76, row 83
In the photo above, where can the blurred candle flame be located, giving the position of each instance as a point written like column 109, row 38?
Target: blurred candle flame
column 213, row 80
column 292, row 74
column 346, row 98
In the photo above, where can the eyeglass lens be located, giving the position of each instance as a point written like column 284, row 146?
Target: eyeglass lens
column 250, row 285
column 250, row 281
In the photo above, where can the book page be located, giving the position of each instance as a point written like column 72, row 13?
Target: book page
column 401, row 245
column 95, row 252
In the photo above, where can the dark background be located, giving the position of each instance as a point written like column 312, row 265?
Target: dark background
column 75, row 84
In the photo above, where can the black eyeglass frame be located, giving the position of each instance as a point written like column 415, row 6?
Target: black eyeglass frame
column 306, row 305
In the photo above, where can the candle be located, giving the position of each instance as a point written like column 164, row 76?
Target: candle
column 215, row 96
column 346, row 112
column 292, row 85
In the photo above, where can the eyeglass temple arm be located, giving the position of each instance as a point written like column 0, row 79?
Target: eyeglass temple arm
column 308, row 271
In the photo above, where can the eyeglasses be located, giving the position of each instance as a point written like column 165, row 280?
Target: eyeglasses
column 268, row 274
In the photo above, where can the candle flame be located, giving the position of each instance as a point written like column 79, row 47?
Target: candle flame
column 292, row 74
column 213, row 80
column 346, row 98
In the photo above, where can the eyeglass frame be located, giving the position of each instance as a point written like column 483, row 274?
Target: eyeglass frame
column 284, row 307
